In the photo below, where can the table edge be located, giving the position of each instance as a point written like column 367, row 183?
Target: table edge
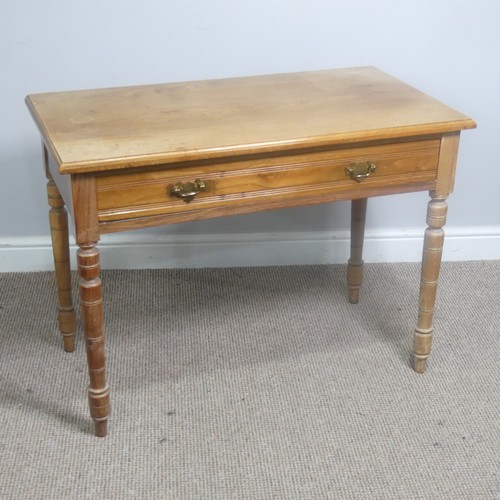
column 165, row 158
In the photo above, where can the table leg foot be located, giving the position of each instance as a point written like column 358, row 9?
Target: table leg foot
column 69, row 340
column 422, row 341
column 101, row 428
column 419, row 364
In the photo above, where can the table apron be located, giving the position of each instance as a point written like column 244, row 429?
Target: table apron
column 249, row 185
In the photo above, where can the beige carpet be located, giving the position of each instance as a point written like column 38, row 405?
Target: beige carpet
column 258, row 383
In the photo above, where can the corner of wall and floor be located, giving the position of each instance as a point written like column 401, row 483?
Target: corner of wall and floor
column 156, row 250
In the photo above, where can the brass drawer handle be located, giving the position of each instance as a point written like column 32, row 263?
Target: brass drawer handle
column 361, row 170
column 188, row 190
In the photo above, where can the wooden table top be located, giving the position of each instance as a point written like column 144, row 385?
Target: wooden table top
column 93, row 130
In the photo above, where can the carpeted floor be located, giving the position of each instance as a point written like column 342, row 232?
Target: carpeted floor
column 256, row 383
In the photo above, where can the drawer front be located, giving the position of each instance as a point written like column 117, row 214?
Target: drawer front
column 270, row 181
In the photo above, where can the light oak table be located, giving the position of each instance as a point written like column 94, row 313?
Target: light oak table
column 136, row 157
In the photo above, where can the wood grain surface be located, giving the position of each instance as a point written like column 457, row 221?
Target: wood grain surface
column 94, row 130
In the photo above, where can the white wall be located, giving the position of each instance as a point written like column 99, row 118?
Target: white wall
column 447, row 48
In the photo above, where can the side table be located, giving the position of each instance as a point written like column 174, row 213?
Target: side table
column 136, row 157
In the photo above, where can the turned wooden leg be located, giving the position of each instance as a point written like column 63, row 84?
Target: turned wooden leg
column 92, row 315
column 431, row 263
column 355, row 263
column 60, row 246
